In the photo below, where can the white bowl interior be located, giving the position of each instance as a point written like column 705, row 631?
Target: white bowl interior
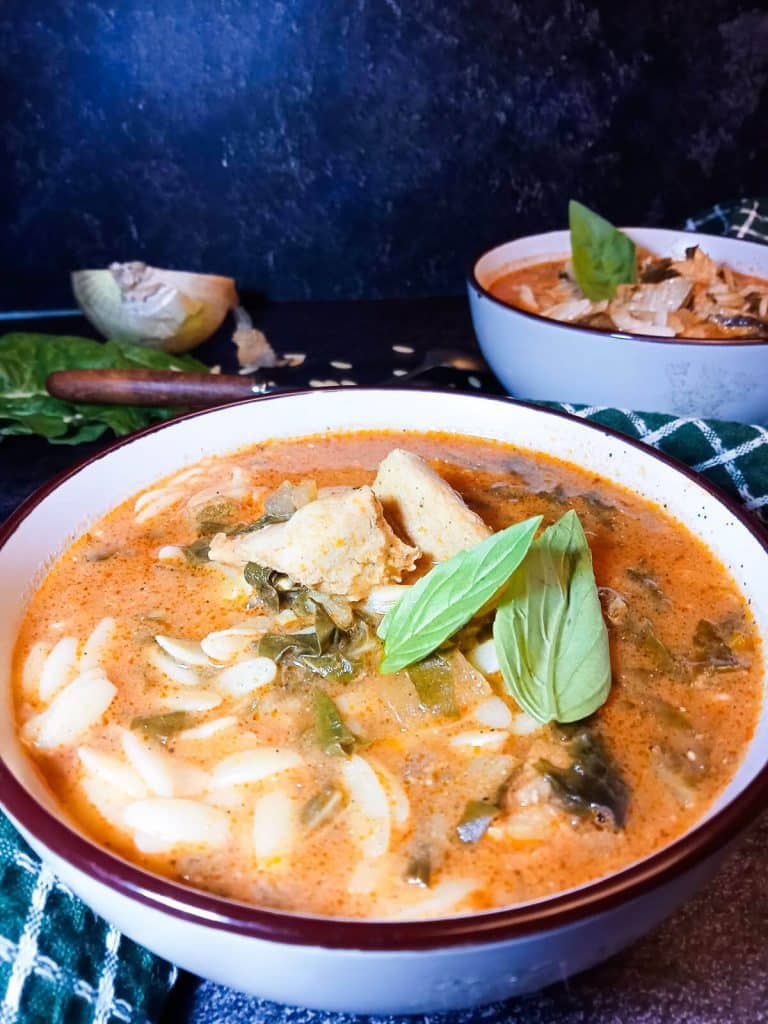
column 100, row 486
column 747, row 257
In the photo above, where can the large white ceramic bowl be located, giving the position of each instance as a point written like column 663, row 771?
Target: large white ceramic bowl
column 360, row 966
column 538, row 358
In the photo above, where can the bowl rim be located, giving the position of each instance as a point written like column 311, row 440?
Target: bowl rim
column 714, row 343
column 705, row 840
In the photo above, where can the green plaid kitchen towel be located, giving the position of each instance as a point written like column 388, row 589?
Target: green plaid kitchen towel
column 61, row 964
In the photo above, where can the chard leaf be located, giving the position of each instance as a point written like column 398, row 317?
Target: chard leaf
column 444, row 600
column 277, row 645
column 602, row 256
column 262, row 579
column 331, row 733
column 477, row 817
column 433, row 680
column 267, row 519
column 549, row 632
column 711, row 650
column 196, row 553
column 321, row 807
column 162, row 726
column 330, row 666
column 27, row 359
column 592, row 785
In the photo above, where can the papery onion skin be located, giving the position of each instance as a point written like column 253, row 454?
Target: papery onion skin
column 168, row 309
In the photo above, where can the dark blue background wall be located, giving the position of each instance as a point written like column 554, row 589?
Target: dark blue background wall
column 346, row 148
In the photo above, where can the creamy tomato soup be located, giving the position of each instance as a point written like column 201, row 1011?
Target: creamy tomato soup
column 198, row 679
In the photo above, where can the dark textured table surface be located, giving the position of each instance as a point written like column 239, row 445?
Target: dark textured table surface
column 706, row 965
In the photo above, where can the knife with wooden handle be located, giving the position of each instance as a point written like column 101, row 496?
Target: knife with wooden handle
column 155, row 387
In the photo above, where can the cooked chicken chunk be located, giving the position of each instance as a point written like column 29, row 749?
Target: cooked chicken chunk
column 340, row 544
column 425, row 507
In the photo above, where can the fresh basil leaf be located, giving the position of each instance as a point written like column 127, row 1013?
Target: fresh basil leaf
column 26, row 360
column 602, row 256
column 550, row 635
column 444, row 600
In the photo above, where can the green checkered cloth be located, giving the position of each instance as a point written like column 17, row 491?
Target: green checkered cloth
column 61, row 964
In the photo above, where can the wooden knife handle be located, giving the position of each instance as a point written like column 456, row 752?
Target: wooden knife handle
column 150, row 387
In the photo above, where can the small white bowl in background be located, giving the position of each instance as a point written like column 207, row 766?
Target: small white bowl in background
column 542, row 359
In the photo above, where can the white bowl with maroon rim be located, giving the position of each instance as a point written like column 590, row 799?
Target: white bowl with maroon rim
column 538, row 358
column 353, row 965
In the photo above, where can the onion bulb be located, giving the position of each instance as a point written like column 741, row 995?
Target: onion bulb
column 166, row 309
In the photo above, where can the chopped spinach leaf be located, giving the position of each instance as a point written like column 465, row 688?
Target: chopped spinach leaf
column 331, row 733
column 162, row 727
column 196, row 553
column 592, row 786
column 477, row 816
column 321, row 807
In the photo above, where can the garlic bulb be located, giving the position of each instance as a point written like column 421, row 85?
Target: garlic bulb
column 166, row 309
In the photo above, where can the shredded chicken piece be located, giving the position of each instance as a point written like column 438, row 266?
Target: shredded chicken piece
column 339, row 544
column 425, row 508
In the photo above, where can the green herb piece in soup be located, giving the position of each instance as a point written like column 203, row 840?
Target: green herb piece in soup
column 262, row 579
column 444, row 600
column 330, row 666
column 602, row 256
column 477, row 816
column 162, row 727
column 550, row 635
column 216, row 517
column 662, row 660
column 331, row 733
column 277, row 645
column 648, row 582
column 267, row 519
column 196, row 553
column 711, row 649
column 433, row 680
column 321, row 807
column 592, row 785
column 419, row 871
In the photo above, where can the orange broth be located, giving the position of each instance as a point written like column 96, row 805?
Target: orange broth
column 535, row 846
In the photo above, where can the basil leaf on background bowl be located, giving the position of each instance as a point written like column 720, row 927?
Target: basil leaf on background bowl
column 26, row 407
column 602, row 256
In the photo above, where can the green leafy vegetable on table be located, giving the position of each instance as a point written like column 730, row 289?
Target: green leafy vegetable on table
column 602, row 256
column 26, row 360
column 550, row 635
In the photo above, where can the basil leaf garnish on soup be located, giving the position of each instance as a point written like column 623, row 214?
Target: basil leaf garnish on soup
column 550, row 635
column 444, row 600
column 602, row 256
